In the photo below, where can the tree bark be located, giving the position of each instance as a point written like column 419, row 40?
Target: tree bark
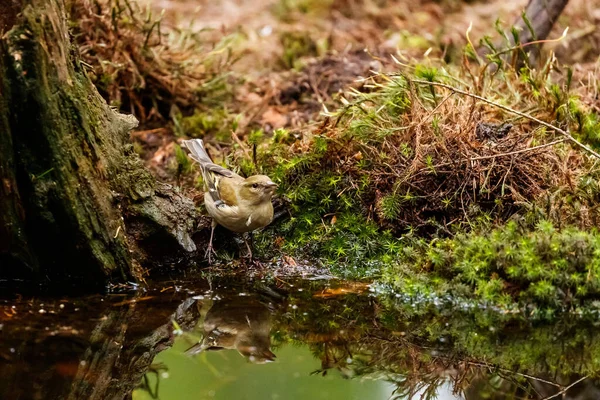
column 542, row 14
column 76, row 202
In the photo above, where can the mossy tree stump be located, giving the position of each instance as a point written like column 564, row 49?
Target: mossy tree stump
column 76, row 203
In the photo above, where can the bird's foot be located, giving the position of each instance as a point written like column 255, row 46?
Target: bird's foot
column 248, row 247
column 248, row 256
column 209, row 252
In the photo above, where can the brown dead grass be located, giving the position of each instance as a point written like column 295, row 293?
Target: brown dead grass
column 449, row 158
column 135, row 64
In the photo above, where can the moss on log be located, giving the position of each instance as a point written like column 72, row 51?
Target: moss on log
column 71, row 183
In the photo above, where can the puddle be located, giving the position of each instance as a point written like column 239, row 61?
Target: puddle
column 285, row 339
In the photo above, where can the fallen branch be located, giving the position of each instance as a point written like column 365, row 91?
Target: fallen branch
column 493, row 367
column 519, row 151
column 566, row 134
column 566, row 389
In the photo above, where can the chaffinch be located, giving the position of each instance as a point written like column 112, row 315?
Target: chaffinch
column 240, row 205
column 241, row 323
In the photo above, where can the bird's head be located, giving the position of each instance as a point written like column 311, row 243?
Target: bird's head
column 256, row 353
column 257, row 189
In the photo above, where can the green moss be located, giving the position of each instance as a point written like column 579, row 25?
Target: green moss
column 509, row 265
column 184, row 164
column 390, row 206
column 289, row 10
column 214, row 122
column 295, row 46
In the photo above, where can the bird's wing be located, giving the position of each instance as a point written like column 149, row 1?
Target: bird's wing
column 226, row 190
column 217, row 180
column 213, row 179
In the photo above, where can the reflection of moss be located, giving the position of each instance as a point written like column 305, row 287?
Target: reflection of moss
column 430, row 344
column 406, row 341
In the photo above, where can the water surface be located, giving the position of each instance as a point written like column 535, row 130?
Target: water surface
column 286, row 339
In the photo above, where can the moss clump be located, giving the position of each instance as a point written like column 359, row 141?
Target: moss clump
column 295, row 46
column 184, row 163
column 289, row 10
column 505, row 266
column 212, row 123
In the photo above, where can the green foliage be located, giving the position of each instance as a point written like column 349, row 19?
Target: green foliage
column 215, row 122
column 287, row 10
column 295, row 46
column 324, row 222
column 184, row 164
column 590, row 128
column 427, row 73
column 509, row 265
column 256, row 137
column 390, row 206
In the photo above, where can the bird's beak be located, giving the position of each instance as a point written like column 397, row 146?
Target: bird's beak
column 272, row 185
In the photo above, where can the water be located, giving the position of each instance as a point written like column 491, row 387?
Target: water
column 286, row 339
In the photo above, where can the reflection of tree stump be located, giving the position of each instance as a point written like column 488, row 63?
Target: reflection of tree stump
column 76, row 201
column 105, row 361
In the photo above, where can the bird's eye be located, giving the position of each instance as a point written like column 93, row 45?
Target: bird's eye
column 254, row 185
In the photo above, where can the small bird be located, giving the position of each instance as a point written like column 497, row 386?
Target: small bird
column 241, row 323
column 238, row 204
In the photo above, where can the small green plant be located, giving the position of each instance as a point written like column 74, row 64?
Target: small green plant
column 295, row 46
column 288, row 10
column 215, row 122
column 184, row 164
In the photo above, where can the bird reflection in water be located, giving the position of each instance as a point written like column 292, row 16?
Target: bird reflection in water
column 242, row 323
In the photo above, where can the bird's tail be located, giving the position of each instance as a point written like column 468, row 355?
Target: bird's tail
column 197, row 151
column 211, row 172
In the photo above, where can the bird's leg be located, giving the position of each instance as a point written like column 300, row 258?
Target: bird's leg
column 209, row 250
column 249, row 255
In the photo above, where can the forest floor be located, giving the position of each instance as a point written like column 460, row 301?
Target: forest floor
column 380, row 175
column 290, row 58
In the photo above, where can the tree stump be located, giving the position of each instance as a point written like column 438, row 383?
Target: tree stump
column 76, row 202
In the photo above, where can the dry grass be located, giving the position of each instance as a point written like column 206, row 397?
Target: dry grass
column 137, row 66
column 418, row 156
